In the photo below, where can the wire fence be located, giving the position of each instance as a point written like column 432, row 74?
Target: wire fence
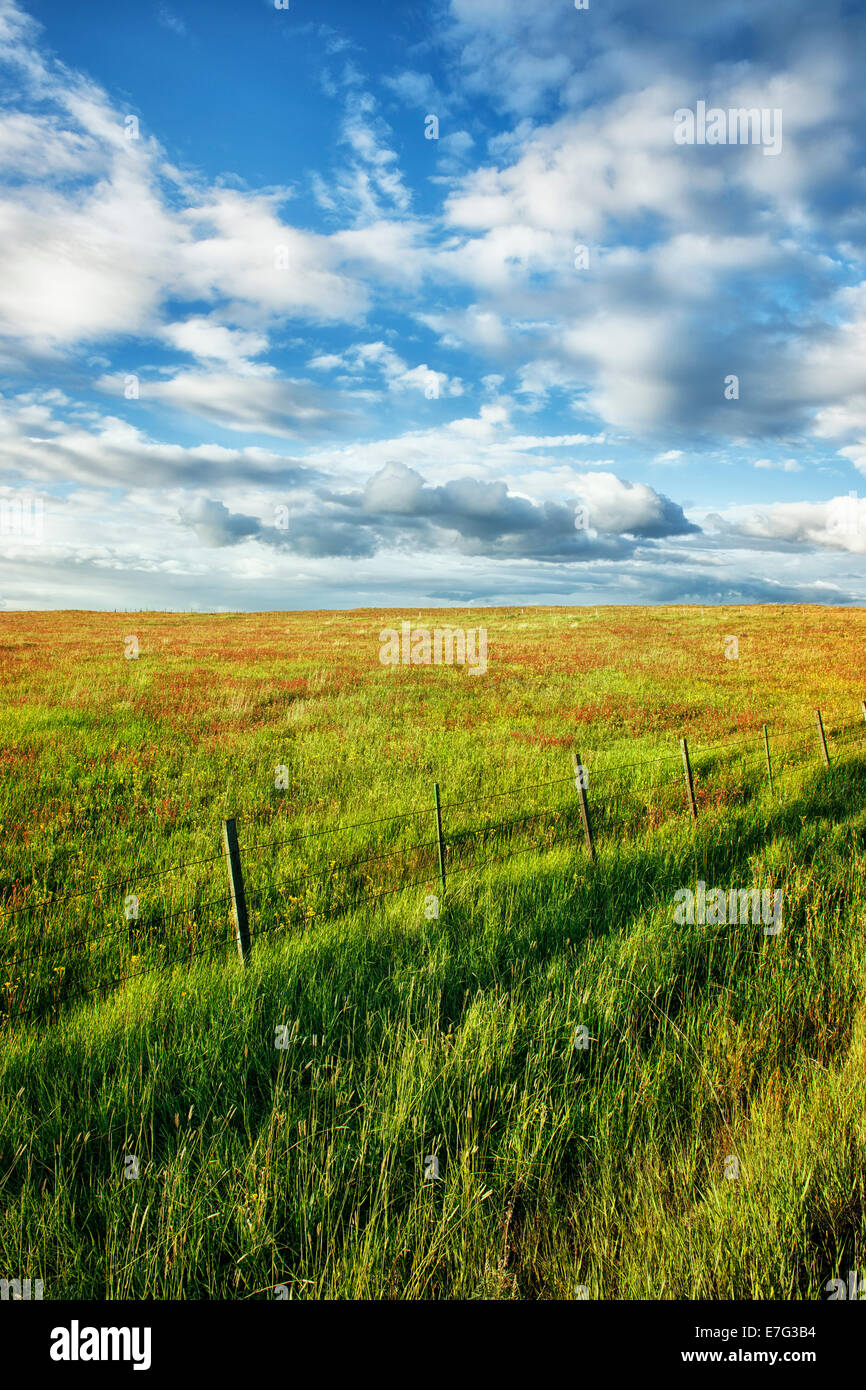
column 620, row 800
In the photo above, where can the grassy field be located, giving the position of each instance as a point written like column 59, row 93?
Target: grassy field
column 299, row 1170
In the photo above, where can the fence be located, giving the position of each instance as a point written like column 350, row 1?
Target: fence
column 592, row 812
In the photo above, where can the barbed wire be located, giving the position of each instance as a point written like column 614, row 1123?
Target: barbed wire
column 264, row 931
column 463, row 834
column 122, row 979
column 138, row 878
column 527, row 787
column 129, row 924
column 109, row 887
column 336, row 829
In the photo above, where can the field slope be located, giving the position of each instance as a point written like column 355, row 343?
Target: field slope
column 622, row 1105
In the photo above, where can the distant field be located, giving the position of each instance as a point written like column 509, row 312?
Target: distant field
column 597, row 1170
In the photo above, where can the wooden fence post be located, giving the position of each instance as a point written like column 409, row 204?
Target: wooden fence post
column 821, row 738
column 767, row 751
column 863, row 707
column 236, row 887
column 690, row 786
column 440, row 839
column 580, row 784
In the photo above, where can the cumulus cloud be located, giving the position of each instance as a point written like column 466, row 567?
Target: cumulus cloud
column 839, row 524
column 616, row 506
column 101, row 232
column 457, row 378
column 398, row 375
column 399, row 510
column 210, row 341
column 485, row 517
column 215, row 525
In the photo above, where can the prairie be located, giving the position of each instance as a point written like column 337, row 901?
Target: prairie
column 622, row 1105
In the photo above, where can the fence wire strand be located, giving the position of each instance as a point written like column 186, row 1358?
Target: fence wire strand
column 784, row 765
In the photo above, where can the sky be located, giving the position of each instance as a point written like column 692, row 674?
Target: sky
column 464, row 302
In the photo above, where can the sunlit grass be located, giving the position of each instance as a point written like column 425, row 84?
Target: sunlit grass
column 303, row 1166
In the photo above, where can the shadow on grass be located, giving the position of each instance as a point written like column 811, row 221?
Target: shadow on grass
column 350, row 989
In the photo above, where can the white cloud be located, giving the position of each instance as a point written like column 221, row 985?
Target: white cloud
column 782, row 466
column 33, row 145
column 102, row 256
column 208, row 340
column 169, row 20
column 618, row 507
column 256, row 400
column 110, row 451
column 107, row 245
column 370, row 184
column 839, row 524
column 398, row 375
column 415, row 89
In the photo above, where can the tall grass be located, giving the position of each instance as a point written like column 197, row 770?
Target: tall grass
column 302, row 1166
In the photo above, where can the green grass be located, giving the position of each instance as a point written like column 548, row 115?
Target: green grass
column 560, row 1167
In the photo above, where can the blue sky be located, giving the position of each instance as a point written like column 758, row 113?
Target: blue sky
column 265, row 343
